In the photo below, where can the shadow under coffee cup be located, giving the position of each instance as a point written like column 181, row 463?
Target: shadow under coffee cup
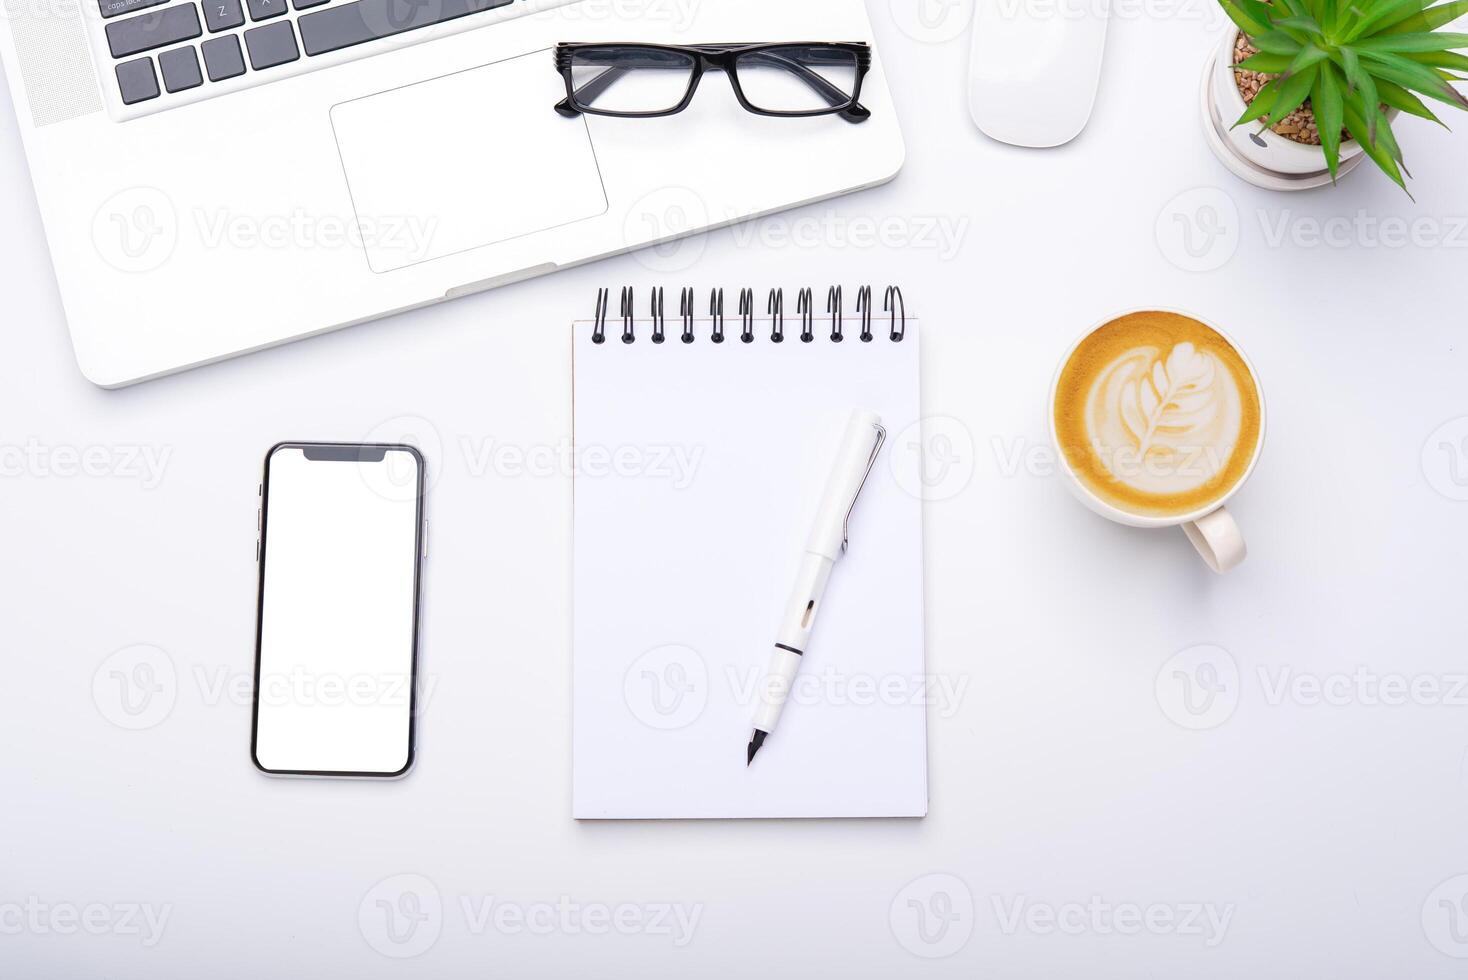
column 1157, row 418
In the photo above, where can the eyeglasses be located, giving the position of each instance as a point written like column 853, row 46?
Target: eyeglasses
column 770, row 79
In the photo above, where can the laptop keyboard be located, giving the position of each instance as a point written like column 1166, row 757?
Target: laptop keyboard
column 163, row 47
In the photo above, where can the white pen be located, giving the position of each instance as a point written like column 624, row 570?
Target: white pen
column 859, row 447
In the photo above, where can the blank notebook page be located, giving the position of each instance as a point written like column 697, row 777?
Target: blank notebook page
column 699, row 467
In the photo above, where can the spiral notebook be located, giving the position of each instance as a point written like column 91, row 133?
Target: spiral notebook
column 702, row 444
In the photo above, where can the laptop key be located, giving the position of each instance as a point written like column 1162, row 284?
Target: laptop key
column 271, row 45
column 367, row 20
column 223, row 58
column 180, row 68
column 221, row 15
column 154, row 30
column 305, row 4
column 265, row 9
column 136, row 81
column 111, row 8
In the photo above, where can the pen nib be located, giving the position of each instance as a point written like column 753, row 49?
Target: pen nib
column 755, row 741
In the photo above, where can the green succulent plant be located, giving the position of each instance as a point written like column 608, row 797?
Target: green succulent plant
column 1353, row 59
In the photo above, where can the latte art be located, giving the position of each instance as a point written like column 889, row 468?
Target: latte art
column 1157, row 414
column 1164, row 421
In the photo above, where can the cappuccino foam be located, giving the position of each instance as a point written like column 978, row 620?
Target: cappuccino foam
column 1157, row 414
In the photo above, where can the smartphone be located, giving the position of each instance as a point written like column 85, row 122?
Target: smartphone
column 340, row 551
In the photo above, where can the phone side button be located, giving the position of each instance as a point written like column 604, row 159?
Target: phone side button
column 257, row 551
column 425, row 538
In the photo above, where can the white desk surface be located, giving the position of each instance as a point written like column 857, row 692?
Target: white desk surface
column 1313, row 826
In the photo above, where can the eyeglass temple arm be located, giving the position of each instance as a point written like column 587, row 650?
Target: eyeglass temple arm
column 593, row 89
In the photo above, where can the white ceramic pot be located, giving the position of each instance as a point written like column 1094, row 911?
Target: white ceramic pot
column 1265, row 148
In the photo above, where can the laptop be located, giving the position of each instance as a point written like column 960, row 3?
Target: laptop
column 220, row 176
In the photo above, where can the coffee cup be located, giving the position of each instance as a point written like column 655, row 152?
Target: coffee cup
column 1157, row 418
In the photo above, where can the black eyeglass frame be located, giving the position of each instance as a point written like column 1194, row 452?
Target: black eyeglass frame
column 721, row 57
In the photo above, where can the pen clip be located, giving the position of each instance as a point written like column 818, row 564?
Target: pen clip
column 871, row 461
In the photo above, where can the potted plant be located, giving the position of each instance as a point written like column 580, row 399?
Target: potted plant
column 1325, row 78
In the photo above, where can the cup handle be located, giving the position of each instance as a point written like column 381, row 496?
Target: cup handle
column 1218, row 539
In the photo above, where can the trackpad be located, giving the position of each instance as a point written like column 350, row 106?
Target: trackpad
column 465, row 160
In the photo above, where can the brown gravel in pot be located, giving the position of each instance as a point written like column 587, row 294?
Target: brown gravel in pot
column 1298, row 125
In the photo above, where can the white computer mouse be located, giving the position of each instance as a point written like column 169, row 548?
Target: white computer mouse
column 1034, row 68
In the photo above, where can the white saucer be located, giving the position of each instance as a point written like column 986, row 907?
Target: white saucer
column 1246, row 169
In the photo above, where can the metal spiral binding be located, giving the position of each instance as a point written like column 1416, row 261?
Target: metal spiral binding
column 805, row 306
column 599, row 323
column 627, row 315
column 685, row 310
column 892, row 304
column 895, row 333
column 746, row 315
column 659, row 322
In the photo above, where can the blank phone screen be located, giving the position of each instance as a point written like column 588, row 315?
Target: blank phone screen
column 338, row 610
